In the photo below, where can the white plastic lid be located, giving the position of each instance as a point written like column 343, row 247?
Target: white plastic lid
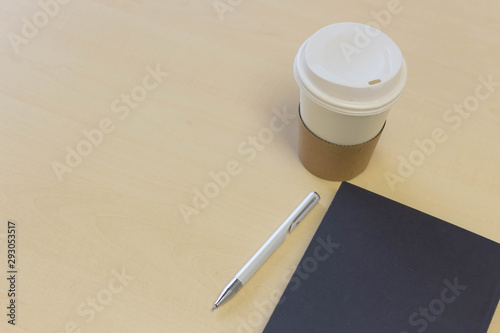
column 351, row 68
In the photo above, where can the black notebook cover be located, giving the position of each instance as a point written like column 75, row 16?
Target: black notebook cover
column 377, row 266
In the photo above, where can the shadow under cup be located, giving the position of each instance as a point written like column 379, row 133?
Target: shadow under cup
column 350, row 75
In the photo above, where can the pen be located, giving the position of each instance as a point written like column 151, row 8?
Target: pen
column 268, row 248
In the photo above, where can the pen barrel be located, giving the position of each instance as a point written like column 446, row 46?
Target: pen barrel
column 263, row 253
column 277, row 238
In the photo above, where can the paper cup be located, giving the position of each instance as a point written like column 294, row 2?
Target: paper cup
column 349, row 75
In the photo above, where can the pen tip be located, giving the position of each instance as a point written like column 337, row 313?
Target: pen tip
column 214, row 307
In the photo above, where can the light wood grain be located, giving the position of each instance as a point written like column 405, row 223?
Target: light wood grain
column 118, row 211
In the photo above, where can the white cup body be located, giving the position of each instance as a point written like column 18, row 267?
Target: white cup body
column 339, row 128
column 349, row 75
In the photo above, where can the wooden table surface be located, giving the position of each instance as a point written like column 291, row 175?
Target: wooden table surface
column 137, row 164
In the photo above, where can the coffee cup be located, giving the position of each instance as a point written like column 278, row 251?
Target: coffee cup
column 350, row 75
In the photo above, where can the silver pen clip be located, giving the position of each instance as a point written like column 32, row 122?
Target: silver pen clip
column 303, row 209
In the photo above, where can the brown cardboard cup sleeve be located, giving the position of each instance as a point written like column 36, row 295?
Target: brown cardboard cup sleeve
column 330, row 161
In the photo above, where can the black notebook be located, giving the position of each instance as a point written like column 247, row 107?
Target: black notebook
column 377, row 266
